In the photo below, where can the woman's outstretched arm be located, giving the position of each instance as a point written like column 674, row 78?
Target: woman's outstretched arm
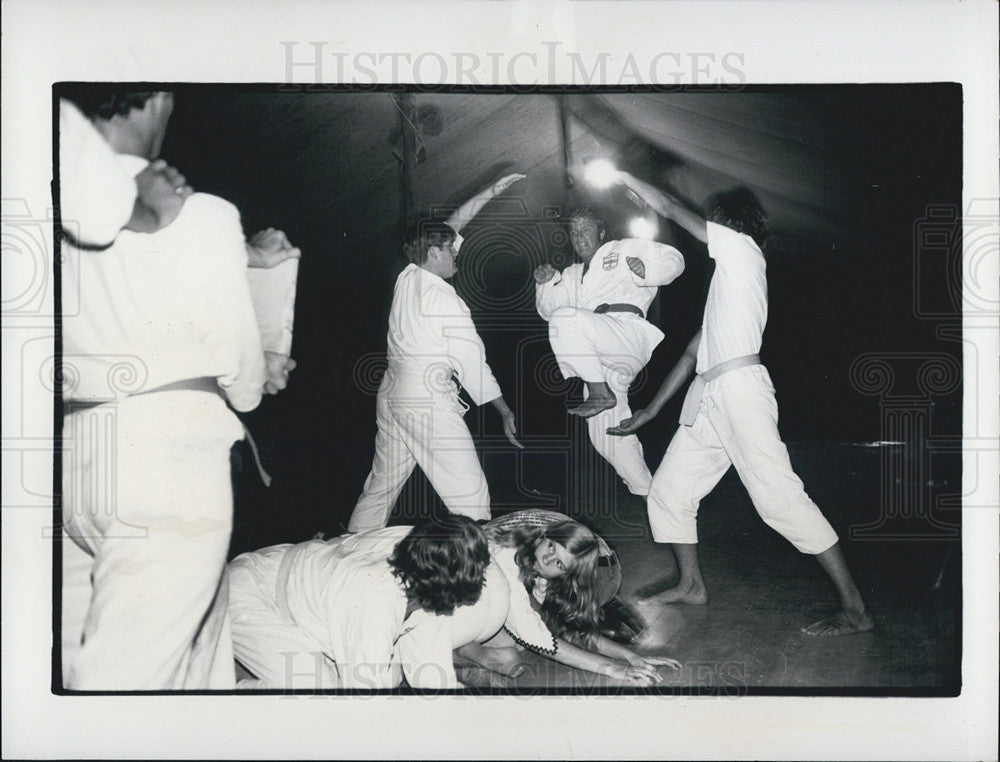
column 642, row 675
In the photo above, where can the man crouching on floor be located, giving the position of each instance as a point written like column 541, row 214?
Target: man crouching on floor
column 358, row 611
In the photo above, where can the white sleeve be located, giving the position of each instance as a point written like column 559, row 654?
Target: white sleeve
column 731, row 249
column 523, row 622
column 96, row 192
column 466, row 352
column 663, row 263
column 223, row 241
column 425, row 652
column 552, row 295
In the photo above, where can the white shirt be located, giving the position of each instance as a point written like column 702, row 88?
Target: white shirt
column 523, row 621
column 156, row 308
column 736, row 309
column 609, row 279
column 344, row 594
column 432, row 336
column 96, row 191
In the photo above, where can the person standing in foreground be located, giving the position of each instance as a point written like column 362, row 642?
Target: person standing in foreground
column 596, row 311
column 730, row 415
column 360, row 610
column 164, row 334
column 432, row 341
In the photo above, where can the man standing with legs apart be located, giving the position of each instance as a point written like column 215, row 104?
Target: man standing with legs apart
column 432, row 342
column 164, row 328
column 730, row 415
column 598, row 330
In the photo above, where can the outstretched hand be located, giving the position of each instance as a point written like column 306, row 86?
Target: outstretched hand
column 631, row 425
column 655, row 662
column 643, row 675
column 510, row 429
column 505, row 182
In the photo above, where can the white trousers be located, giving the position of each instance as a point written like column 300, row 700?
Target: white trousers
column 613, row 349
column 737, row 424
column 147, row 515
column 265, row 639
column 281, row 654
column 429, row 433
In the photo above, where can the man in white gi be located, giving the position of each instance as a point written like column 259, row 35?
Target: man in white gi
column 158, row 333
column 730, row 415
column 596, row 311
column 98, row 197
column 432, row 342
column 361, row 610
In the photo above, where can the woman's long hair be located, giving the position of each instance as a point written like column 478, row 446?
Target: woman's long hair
column 570, row 610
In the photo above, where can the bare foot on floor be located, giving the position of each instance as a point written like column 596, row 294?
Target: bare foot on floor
column 689, row 593
column 844, row 622
column 592, row 406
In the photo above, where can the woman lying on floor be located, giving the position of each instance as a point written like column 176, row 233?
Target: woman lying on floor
column 550, row 563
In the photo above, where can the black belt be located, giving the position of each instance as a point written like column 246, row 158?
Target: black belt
column 600, row 309
column 202, row 384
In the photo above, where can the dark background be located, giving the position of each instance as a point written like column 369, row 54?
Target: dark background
column 852, row 178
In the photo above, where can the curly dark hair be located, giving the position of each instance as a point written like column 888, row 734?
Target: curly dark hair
column 103, row 102
column 442, row 563
column 571, row 610
column 423, row 234
column 587, row 213
column 740, row 210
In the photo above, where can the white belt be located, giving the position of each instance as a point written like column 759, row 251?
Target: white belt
column 689, row 410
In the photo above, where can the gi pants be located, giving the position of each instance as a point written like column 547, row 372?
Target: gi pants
column 147, row 516
column 737, row 424
column 612, row 348
column 427, row 430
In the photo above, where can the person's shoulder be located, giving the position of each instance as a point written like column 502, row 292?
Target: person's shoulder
column 726, row 241
column 205, row 206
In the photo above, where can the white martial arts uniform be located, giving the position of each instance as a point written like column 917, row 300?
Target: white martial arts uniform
column 96, row 191
column 147, row 497
column 613, row 346
column 331, row 614
column 737, row 419
column 418, row 411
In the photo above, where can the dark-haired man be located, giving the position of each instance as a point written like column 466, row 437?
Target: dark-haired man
column 596, row 311
column 730, row 415
column 431, row 343
column 361, row 610
column 159, row 332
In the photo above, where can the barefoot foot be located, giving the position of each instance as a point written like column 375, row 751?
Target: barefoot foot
column 592, row 406
column 843, row 622
column 689, row 593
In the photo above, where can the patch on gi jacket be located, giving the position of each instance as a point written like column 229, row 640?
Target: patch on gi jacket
column 610, row 261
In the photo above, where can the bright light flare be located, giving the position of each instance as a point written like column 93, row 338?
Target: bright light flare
column 601, row 173
column 640, row 227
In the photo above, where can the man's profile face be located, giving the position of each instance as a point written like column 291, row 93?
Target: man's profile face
column 585, row 236
column 446, row 259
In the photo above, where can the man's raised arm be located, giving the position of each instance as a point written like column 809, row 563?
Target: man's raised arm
column 666, row 205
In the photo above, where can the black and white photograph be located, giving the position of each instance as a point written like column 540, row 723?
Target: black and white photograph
column 549, row 387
